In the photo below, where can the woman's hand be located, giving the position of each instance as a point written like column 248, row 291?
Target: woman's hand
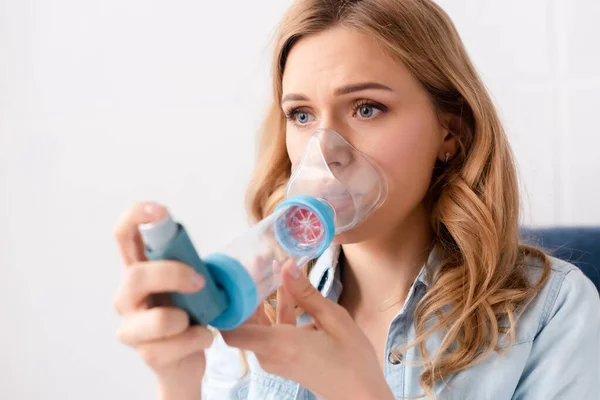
column 331, row 357
column 160, row 333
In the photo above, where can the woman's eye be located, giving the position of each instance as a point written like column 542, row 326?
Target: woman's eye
column 368, row 111
column 302, row 117
column 299, row 117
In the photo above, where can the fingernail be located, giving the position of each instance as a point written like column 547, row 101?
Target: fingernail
column 198, row 281
column 152, row 209
column 294, row 272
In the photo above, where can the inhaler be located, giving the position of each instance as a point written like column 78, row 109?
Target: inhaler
column 333, row 188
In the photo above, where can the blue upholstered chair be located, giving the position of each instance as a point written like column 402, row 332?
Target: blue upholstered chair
column 579, row 246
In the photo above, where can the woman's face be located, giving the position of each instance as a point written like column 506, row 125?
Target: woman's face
column 340, row 80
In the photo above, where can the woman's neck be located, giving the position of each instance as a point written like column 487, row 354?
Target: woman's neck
column 378, row 273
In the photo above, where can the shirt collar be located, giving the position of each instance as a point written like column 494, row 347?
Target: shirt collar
column 325, row 274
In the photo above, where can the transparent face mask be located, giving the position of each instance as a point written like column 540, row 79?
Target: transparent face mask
column 332, row 170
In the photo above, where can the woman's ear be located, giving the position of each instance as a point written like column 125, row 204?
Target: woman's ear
column 450, row 138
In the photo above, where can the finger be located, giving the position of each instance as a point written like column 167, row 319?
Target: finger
column 325, row 313
column 255, row 338
column 275, row 347
column 255, row 267
column 285, row 303
column 126, row 230
column 153, row 324
column 150, row 277
column 286, row 310
column 278, row 267
column 160, row 353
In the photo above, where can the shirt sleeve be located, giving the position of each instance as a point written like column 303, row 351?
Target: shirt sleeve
column 565, row 356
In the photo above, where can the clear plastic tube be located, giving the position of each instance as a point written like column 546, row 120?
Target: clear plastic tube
column 294, row 233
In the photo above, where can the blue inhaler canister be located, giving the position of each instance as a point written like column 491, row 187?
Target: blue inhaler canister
column 168, row 240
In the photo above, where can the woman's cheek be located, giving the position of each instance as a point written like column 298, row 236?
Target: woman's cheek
column 294, row 150
column 409, row 169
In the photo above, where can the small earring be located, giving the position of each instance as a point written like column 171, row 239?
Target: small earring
column 447, row 157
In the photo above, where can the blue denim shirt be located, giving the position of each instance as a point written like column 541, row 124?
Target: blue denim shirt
column 556, row 354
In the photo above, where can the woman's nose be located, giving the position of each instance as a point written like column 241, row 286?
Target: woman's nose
column 337, row 152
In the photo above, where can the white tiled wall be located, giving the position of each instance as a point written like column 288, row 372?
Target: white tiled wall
column 541, row 61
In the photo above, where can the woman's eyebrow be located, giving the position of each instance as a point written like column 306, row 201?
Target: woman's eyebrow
column 361, row 86
column 341, row 91
column 294, row 97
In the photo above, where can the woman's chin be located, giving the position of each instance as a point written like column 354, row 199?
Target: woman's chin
column 351, row 236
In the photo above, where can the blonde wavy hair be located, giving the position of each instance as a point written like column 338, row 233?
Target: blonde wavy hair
column 480, row 288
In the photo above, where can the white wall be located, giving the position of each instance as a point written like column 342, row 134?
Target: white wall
column 106, row 102
column 541, row 61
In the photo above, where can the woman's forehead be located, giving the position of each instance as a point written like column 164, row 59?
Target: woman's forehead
column 338, row 57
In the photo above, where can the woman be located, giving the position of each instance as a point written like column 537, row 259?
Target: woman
column 433, row 294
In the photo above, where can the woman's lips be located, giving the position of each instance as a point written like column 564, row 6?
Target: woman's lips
column 340, row 204
column 337, row 196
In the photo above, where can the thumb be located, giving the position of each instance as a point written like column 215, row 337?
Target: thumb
column 307, row 297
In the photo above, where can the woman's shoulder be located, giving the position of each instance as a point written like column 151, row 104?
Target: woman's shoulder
column 564, row 279
column 560, row 333
column 566, row 298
